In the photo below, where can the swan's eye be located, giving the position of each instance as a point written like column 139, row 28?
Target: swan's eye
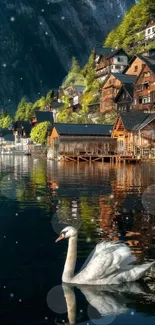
column 64, row 233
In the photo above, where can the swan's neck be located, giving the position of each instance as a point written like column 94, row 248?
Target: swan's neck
column 69, row 267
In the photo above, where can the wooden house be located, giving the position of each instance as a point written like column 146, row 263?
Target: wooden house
column 144, row 89
column 108, row 61
column 22, row 128
column 124, row 98
column 42, row 116
column 111, row 88
column 144, row 137
column 128, row 131
column 81, row 138
column 74, row 92
column 139, row 61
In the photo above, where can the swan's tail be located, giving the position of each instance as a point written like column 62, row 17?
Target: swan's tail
column 136, row 272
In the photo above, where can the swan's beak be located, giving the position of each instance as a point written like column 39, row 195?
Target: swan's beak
column 62, row 236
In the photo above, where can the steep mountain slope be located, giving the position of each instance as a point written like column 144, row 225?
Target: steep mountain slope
column 39, row 37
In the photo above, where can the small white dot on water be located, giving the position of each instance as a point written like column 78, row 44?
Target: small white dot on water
column 4, row 236
column 46, row 318
column 16, row 214
column 4, row 287
column 42, row 10
column 20, row 300
column 132, row 313
column 16, row 242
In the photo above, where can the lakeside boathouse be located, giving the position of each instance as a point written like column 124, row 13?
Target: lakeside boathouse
column 81, row 141
column 135, row 133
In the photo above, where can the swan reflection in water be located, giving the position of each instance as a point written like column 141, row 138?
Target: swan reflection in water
column 109, row 301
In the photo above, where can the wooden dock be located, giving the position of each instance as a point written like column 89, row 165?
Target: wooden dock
column 99, row 157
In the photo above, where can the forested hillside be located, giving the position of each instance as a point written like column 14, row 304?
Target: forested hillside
column 135, row 20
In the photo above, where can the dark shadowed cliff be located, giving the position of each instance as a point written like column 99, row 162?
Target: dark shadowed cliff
column 39, row 37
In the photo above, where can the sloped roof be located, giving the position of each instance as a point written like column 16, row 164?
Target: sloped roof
column 149, row 119
column 105, row 51
column 83, row 129
column 22, row 124
column 57, row 104
column 149, row 61
column 7, row 134
column 44, row 116
column 80, row 89
column 9, row 137
column 5, row 131
column 132, row 120
column 125, row 78
column 108, row 52
column 128, row 88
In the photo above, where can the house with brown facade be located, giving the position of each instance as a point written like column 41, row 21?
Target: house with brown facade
column 135, row 133
column 111, row 87
column 109, row 60
column 144, row 88
column 124, row 98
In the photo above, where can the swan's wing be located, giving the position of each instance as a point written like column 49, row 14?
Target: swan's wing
column 106, row 259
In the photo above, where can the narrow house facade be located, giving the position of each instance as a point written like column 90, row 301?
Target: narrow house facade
column 144, row 90
column 135, row 131
column 110, row 89
column 108, row 61
column 124, row 98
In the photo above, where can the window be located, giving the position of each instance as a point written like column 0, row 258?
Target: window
column 120, row 59
column 148, row 31
column 145, row 85
column 153, row 29
column 135, row 68
column 144, row 100
column 146, row 74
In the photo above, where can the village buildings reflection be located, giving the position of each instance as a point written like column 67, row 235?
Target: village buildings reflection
column 106, row 200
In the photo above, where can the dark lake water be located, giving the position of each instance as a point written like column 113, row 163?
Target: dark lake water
column 103, row 201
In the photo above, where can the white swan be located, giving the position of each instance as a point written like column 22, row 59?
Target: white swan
column 108, row 263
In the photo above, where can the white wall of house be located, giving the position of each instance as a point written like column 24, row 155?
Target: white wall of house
column 120, row 60
column 150, row 32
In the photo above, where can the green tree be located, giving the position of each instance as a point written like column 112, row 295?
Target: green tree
column 75, row 67
column 5, row 121
column 39, row 133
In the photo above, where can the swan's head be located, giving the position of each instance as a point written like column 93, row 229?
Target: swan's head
column 67, row 232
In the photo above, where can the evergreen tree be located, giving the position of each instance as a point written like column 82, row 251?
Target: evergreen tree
column 39, row 133
column 75, row 67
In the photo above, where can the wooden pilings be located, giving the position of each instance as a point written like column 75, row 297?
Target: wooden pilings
column 91, row 158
